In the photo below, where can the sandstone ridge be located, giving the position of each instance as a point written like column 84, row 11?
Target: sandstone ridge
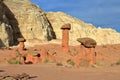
column 80, row 29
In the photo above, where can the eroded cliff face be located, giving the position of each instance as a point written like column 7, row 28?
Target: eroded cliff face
column 28, row 21
column 6, row 31
column 80, row 29
column 20, row 18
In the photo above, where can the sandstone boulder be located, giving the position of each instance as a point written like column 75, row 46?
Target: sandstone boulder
column 87, row 42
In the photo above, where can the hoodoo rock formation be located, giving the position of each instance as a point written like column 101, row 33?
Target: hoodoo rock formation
column 65, row 37
column 21, row 43
column 88, row 46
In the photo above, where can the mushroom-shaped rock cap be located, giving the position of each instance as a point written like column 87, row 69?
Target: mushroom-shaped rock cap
column 87, row 42
column 21, row 39
column 66, row 26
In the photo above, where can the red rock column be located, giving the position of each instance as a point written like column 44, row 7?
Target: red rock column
column 88, row 49
column 89, row 54
column 92, row 56
column 65, row 37
column 21, row 44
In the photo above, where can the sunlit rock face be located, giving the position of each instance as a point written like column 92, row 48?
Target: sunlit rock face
column 27, row 20
column 80, row 29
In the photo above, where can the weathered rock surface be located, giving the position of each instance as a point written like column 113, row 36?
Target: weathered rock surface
column 6, row 31
column 27, row 20
column 87, row 42
column 80, row 29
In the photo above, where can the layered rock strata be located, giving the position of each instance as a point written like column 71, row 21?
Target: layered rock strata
column 80, row 29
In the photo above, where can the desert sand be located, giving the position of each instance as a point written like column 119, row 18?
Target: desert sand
column 106, row 68
column 53, row 72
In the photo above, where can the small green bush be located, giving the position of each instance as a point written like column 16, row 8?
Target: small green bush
column 14, row 62
column 46, row 60
column 100, row 63
column 69, row 61
column 118, row 62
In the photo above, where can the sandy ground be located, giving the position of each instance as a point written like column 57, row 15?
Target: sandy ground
column 53, row 72
column 106, row 55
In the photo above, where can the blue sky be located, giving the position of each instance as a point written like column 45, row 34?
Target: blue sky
column 103, row 13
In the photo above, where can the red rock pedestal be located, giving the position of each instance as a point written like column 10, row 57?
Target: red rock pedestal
column 32, row 59
column 88, row 53
column 29, row 58
column 21, row 44
column 65, row 37
column 36, row 58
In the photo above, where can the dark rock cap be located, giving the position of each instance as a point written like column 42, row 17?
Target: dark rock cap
column 66, row 26
column 87, row 42
column 21, row 39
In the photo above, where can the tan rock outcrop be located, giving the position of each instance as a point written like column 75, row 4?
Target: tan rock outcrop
column 81, row 29
column 6, row 31
column 29, row 21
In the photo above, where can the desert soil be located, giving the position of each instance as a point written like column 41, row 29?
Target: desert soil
column 106, row 68
column 52, row 72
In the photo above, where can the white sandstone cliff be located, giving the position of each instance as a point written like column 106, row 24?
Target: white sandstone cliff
column 80, row 29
